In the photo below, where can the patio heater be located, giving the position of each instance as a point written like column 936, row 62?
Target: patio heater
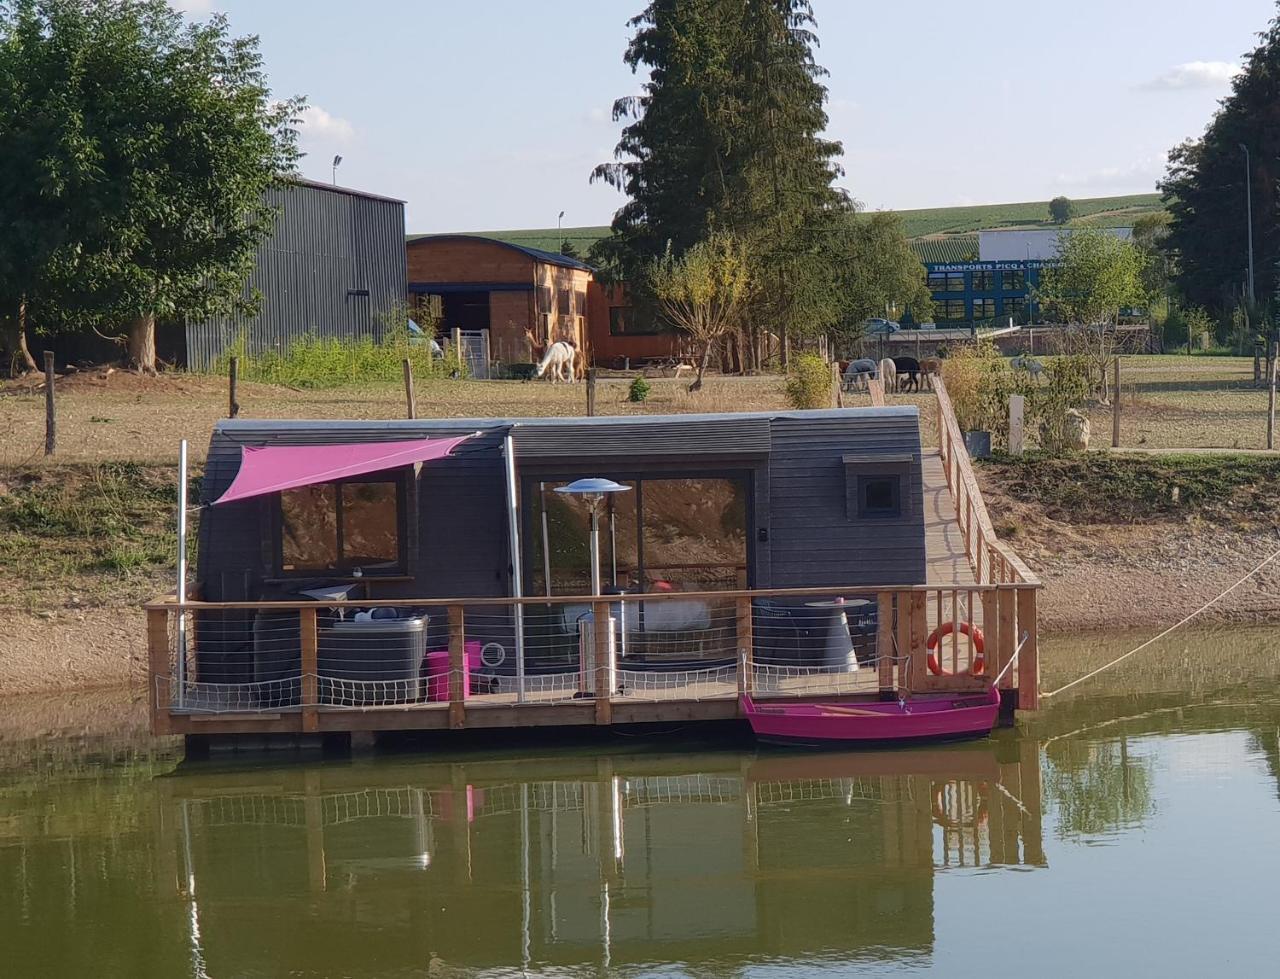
column 593, row 490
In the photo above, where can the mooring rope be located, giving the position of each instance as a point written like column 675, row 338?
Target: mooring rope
column 1177, row 625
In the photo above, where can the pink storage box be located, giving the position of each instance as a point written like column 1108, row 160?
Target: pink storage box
column 438, row 670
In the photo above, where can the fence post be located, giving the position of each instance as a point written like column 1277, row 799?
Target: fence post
column 837, row 395
column 1029, row 658
column 1017, row 412
column 1271, row 394
column 591, row 392
column 1115, row 407
column 602, row 637
column 310, row 668
column 233, row 377
column 884, row 643
column 919, row 635
column 410, row 406
column 455, row 338
column 746, row 647
column 158, row 666
column 50, row 419
column 457, row 664
column 1007, row 637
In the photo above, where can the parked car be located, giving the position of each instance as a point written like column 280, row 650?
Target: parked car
column 418, row 336
column 879, row 325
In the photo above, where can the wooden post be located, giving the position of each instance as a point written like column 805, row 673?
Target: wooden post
column 1029, row 658
column 591, row 392
column 455, row 339
column 1115, row 408
column 601, row 634
column 310, row 669
column 233, row 378
column 1017, row 410
column 884, row 643
column 903, row 646
column 158, row 667
column 410, row 406
column 50, row 419
column 991, row 630
column 837, row 395
column 746, row 646
column 1271, row 395
column 457, row 663
column 1007, row 634
column 919, row 635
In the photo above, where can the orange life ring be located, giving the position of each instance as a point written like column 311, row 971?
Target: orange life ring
column 979, row 664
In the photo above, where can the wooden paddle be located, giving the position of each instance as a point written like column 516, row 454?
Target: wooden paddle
column 861, row 712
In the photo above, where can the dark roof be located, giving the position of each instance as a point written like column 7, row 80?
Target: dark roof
column 350, row 191
column 537, row 254
column 946, row 249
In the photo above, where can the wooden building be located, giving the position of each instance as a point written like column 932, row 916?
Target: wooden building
column 508, row 291
column 789, row 554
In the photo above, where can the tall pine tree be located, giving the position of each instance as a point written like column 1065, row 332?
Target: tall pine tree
column 726, row 135
column 1205, row 188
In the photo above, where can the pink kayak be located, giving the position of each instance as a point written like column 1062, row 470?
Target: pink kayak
column 946, row 718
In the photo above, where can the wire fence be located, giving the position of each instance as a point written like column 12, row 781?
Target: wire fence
column 258, row 660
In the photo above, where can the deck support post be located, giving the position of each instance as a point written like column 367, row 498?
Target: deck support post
column 990, row 600
column 606, row 677
column 746, row 647
column 457, row 666
column 919, row 635
column 1029, row 658
column 902, row 648
column 310, row 670
column 884, row 643
column 1007, row 633
column 158, row 668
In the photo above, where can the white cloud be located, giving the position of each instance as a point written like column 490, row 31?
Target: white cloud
column 1193, row 74
column 319, row 125
column 1138, row 176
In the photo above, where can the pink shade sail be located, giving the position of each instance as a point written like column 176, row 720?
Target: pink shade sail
column 270, row 469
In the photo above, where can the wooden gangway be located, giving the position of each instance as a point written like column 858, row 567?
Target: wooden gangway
column 972, row 577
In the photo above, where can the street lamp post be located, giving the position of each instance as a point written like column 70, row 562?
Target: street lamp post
column 337, row 162
column 1248, row 197
column 560, row 230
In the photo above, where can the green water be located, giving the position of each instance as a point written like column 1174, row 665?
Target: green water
column 1131, row 830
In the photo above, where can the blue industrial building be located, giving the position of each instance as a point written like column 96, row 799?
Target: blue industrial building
column 991, row 275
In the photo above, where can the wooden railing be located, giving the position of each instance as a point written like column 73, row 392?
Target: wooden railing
column 766, row 642
column 993, row 561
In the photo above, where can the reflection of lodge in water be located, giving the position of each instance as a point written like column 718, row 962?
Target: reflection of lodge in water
column 786, row 856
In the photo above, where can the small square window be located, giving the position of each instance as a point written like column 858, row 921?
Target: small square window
column 879, row 496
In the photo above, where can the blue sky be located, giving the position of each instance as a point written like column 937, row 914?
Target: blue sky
column 490, row 114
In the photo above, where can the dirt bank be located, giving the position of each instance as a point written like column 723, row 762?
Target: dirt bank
column 1131, row 542
column 72, row 650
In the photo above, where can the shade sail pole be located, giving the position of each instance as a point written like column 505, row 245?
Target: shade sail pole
column 180, row 662
column 517, row 582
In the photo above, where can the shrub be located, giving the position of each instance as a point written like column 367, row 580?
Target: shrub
column 322, row 362
column 1066, row 386
column 809, row 382
column 639, row 390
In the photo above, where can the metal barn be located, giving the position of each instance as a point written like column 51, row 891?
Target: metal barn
column 334, row 266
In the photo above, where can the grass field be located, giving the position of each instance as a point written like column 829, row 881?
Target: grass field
column 1097, row 212
column 1168, row 402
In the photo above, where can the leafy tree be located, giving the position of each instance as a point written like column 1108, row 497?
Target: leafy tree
column 704, row 291
column 726, row 136
column 569, row 249
column 875, row 266
column 1205, row 188
column 1061, row 210
column 1095, row 276
column 150, row 143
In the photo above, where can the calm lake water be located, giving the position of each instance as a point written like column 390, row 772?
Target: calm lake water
column 1131, row 828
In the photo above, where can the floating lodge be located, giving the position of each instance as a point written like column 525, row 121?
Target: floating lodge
column 366, row 576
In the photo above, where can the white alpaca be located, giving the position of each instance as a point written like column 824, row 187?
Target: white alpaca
column 888, row 375
column 559, row 359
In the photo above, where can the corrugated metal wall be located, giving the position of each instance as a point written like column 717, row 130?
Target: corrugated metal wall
column 328, row 245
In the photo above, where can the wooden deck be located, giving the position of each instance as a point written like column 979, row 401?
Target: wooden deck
column 947, row 562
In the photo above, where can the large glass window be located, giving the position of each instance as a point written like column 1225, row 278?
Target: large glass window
column 665, row 534
column 946, row 282
column 1013, row 281
column 984, row 309
column 1014, row 305
column 949, row 310
column 984, row 281
column 342, row 526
